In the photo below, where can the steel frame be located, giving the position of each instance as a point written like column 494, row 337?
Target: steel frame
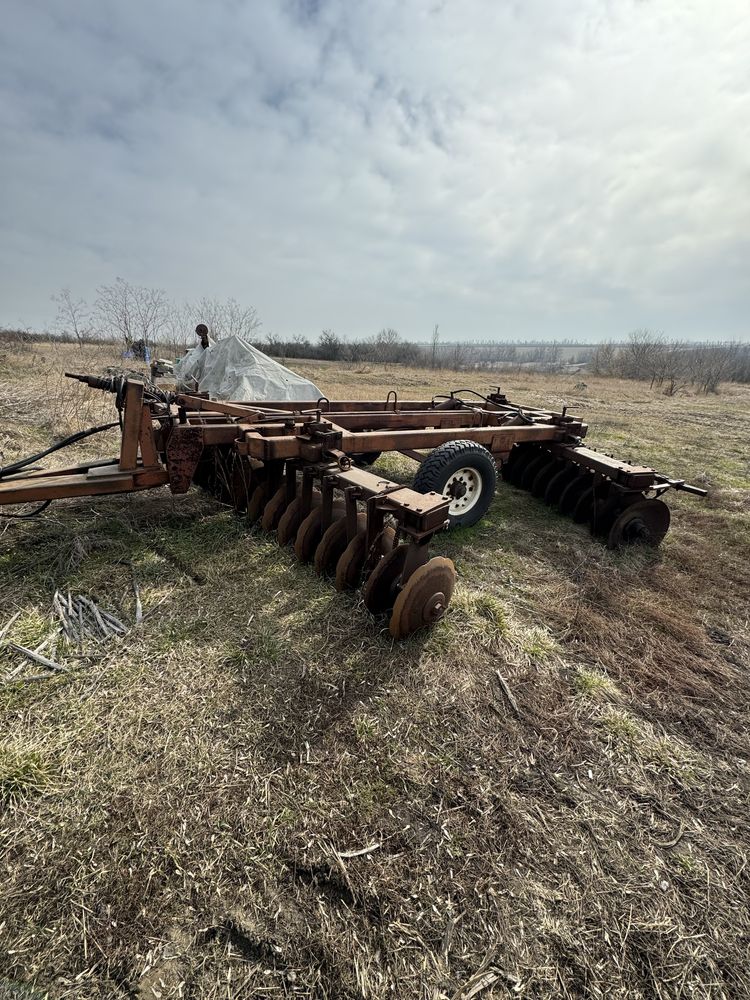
column 308, row 449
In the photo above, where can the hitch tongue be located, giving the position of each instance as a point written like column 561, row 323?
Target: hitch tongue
column 680, row 484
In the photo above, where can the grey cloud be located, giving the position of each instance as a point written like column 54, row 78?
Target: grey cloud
column 501, row 168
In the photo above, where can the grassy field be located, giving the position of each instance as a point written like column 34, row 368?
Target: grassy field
column 258, row 794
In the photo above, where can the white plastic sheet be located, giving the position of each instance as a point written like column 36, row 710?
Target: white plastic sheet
column 233, row 369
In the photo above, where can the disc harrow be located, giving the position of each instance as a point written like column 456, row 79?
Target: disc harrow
column 301, row 471
column 620, row 502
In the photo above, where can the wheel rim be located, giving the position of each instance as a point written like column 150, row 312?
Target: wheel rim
column 464, row 487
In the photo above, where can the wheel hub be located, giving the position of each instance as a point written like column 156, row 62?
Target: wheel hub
column 464, row 489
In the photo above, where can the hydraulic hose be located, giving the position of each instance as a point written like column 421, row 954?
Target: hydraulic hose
column 8, row 470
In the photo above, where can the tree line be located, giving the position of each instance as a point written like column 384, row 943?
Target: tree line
column 143, row 318
column 673, row 365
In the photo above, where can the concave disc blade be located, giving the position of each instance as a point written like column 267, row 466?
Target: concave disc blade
column 584, row 505
column 645, row 522
column 292, row 517
column 310, row 533
column 257, row 502
column 381, row 588
column 559, row 481
column 351, row 561
column 572, row 492
column 543, row 477
column 506, row 470
column 274, row 509
column 333, row 543
column 356, row 555
column 525, row 454
column 603, row 513
column 529, row 473
column 424, row 597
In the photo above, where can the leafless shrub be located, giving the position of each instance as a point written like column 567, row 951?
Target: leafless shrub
column 74, row 319
column 17, row 341
column 673, row 365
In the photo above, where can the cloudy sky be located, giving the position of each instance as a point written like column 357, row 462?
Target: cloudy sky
column 505, row 168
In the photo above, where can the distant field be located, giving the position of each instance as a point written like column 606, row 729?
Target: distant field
column 258, row 794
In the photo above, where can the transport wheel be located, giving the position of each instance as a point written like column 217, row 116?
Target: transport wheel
column 382, row 586
column 291, row 519
column 310, row 533
column 528, row 475
column 572, row 493
column 424, row 597
column 274, row 509
column 463, row 471
column 543, row 478
column 352, row 560
column 332, row 544
column 645, row 522
column 258, row 500
column 559, row 481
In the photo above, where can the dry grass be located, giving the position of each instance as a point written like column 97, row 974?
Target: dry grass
column 177, row 814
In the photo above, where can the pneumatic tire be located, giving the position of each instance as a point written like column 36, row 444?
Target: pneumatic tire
column 466, row 472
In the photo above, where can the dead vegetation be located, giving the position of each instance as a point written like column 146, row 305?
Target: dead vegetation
column 256, row 793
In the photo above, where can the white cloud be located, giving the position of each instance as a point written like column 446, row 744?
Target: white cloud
column 517, row 168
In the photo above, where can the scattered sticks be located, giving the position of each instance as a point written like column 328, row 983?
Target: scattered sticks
column 360, row 853
column 138, row 605
column 508, row 694
column 80, row 619
column 36, row 657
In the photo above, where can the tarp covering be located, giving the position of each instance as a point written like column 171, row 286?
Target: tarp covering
column 233, row 369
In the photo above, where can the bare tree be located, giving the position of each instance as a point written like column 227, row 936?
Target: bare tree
column 132, row 313
column 330, row 345
column 226, row 319
column 240, row 321
column 210, row 312
column 179, row 327
column 638, row 356
column 671, row 368
column 73, row 316
column 458, row 356
column 434, row 347
column 604, row 358
column 713, row 364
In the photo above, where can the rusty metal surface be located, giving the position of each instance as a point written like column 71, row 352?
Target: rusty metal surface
column 184, row 450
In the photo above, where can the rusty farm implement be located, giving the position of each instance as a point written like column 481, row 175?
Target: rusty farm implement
column 300, row 469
